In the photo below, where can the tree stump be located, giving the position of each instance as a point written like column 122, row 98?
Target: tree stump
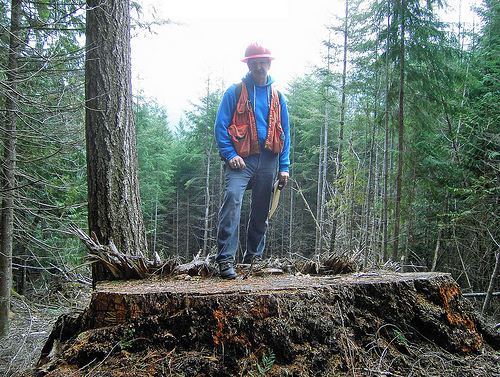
column 359, row 324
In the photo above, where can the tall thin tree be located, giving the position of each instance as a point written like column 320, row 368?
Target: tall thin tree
column 9, row 167
column 399, row 174
column 206, row 215
column 340, row 140
column 323, row 165
column 385, row 194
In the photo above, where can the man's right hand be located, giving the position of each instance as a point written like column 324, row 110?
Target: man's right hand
column 237, row 163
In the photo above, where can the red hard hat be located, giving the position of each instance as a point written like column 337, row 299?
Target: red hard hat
column 255, row 50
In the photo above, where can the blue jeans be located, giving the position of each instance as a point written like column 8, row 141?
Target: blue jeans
column 259, row 174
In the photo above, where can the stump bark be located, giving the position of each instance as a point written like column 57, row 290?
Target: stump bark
column 357, row 324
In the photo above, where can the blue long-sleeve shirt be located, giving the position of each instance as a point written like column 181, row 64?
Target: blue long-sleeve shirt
column 260, row 96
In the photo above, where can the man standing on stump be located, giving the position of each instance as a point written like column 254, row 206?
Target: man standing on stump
column 253, row 137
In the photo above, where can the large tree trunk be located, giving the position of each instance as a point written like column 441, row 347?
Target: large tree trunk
column 8, row 171
column 114, row 206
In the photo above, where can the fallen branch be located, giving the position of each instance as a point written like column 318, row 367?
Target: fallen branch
column 482, row 294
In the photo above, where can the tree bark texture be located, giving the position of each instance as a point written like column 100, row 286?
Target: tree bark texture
column 311, row 325
column 114, row 206
column 8, row 178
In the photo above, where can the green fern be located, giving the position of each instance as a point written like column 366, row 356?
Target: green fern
column 400, row 336
column 267, row 362
column 127, row 339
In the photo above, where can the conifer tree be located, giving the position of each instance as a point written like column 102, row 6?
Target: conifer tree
column 44, row 90
column 115, row 213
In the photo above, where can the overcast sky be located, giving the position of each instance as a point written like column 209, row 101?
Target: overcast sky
column 211, row 38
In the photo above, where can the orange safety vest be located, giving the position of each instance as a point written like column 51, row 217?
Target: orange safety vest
column 243, row 128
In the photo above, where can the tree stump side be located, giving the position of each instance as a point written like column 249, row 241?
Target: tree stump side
column 299, row 326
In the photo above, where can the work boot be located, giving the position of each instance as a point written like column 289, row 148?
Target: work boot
column 227, row 271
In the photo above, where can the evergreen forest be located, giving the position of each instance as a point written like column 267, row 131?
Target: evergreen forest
column 395, row 148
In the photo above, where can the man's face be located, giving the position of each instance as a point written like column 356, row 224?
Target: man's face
column 259, row 67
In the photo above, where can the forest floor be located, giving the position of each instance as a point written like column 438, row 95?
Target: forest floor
column 31, row 320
